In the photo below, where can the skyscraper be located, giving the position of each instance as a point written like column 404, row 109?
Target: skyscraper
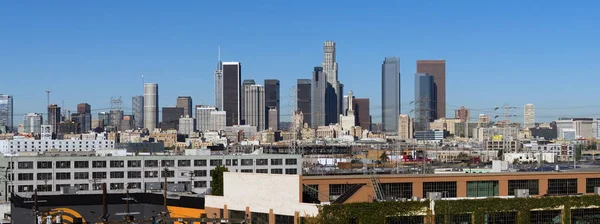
column 54, row 117
column 529, row 116
column 170, row 118
column 405, row 127
column 218, row 120
column 219, row 83
column 32, row 123
column 104, row 118
column 272, row 101
column 6, row 111
column 424, row 101
column 437, row 69
column 273, row 119
column 333, row 92
column 203, row 122
column 390, row 94
column 150, row 106
column 303, row 95
column 84, row 112
column 246, row 82
column 254, row 106
column 463, row 114
column 232, row 75
column 185, row 102
column 137, row 106
column 317, row 108
column 363, row 114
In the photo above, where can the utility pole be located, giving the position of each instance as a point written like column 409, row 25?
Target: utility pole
column 104, row 204
column 166, row 210
column 423, row 111
column 507, row 129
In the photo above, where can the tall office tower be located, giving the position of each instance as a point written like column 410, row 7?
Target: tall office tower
column 218, row 120
column 272, row 100
column 333, row 92
column 390, row 94
column 348, row 119
column 186, row 125
column 303, row 103
column 529, row 116
column 84, row 112
column 84, row 108
column 463, row 114
column 185, row 102
column 150, row 106
column 363, row 113
column 104, row 118
column 170, row 118
column 54, row 117
column 437, row 69
column 32, row 123
column 424, row 101
column 137, row 107
column 254, row 106
column 116, row 119
column 219, row 83
column 6, row 111
column 232, row 75
column 203, row 122
column 127, row 123
column 317, row 107
column 273, row 119
column 246, row 82
column 405, row 127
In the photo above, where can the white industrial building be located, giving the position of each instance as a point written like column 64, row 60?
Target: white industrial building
column 531, row 157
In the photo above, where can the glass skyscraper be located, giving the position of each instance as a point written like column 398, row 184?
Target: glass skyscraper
column 425, row 103
column 390, row 94
column 6, row 111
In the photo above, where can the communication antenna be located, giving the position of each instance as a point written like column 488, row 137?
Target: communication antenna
column 293, row 97
column 507, row 129
column 48, row 96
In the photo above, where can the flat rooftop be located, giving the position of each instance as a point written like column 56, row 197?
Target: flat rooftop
column 327, row 177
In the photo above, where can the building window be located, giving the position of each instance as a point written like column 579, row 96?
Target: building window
column 200, row 184
column 546, row 216
column 25, row 188
column 482, row 188
column 136, row 185
column 25, row 176
column 200, row 162
column 227, row 162
column 262, row 170
column 184, row 163
column 97, row 187
column 99, row 175
column 82, row 175
column 532, row 185
column 117, row 186
column 591, row 183
column 82, row 187
column 167, row 163
column 63, row 176
column 259, row 217
column 397, row 190
column 276, row 171
column 117, row 175
column 310, row 194
column 247, row 162
column 246, row 170
column 82, row 164
column 276, row 162
column 99, row 164
column 262, row 162
column 59, row 187
column 150, row 173
column 284, row 219
column 25, row 165
column 447, row 189
column 216, row 162
column 336, row 190
column 44, row 176
column 151, row 163
column 291, row 162
column 63, row 164
column 117, row 163
column 44, row 188
column 134, row 174
column 134, row 163
column 199, row 173
column 562, row 186
column 291, row 171
column 170, row 173
column 44, row 165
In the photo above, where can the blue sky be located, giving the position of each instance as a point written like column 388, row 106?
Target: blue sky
column 501, row 52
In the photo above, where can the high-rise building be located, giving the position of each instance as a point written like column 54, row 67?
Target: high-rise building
column 127, row 122
column 484, row 119
column 186, row 125
column 185, row 102
column 333, row 90
column 390, row 94
column 246, row 82
column 104, row 118
column 150, row 106
column 348, row 119
column 219, row 83
column 84, row 108
column 32, row 123
column 84, row 112
column 6, row 111
column 203, row 117
column 137, row 106
column 437, row 69
column 232, row 75
column 363, row 113
column 424, row 101
column 254, row 106
column 529, row 116
column 218, row 120
column 405, row 127
column 463, row 114
column 317, row 108
column 272, row 100
column 170, row 118
column 116, row 119
column 54, row 117
column 303, row 95
column 273, row 119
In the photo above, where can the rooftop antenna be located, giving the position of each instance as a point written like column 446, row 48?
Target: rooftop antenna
column 143, row 80
column 48, row 95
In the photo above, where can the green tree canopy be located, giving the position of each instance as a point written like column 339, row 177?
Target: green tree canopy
column 216, row 184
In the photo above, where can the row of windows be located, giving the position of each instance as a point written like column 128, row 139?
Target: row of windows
column 56, row 142
column 153, row 163
column 98, row 186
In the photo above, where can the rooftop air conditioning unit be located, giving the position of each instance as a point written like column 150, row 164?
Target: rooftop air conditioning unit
column 522, row 193
column 434, row 196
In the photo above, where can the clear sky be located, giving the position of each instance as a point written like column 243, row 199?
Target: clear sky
column 497, row 52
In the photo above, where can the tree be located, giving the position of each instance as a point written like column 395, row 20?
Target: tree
column 216, row 185
column 515, row 161
column 384, row 157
